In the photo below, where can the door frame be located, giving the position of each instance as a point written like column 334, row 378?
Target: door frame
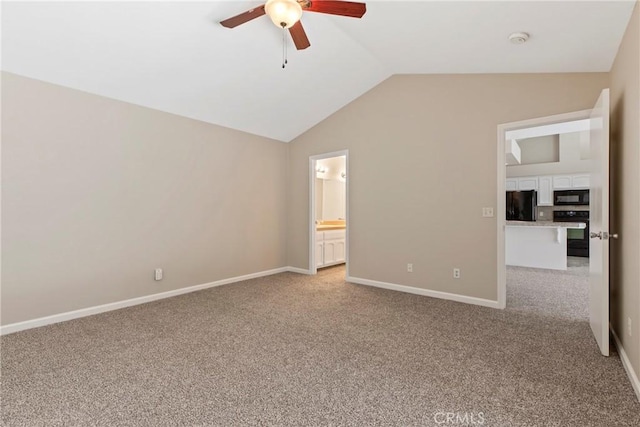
column 313, row 269
column 502, row 176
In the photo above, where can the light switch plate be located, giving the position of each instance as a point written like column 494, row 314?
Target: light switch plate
column 487, row 212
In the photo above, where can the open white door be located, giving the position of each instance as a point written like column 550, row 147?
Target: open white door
column 599, row 223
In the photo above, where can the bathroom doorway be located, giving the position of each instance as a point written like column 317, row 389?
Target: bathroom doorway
column 328, row 210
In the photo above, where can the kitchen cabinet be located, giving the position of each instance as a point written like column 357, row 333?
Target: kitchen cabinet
column 570, row 182
column 546, row 184
column 580, row 181
column 562, row 182
column 545, row 191
column 522, row 184
column 536, row 247
column 330, row 247
column 528, row 183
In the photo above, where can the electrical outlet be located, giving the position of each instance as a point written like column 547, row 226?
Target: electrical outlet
column 629, row 330
column 410, row 268
column 456, row 273
column 158, row 274
column 487, row 212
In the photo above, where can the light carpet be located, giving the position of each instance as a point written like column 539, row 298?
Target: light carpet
column 309, row 351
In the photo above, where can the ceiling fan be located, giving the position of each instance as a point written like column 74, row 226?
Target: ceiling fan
column 286, row 15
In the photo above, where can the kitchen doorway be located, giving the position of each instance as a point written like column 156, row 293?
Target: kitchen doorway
column 596, row 182
column 544, row 176
column 329, row 211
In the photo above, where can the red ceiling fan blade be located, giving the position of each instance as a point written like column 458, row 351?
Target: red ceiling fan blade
column 243, row 17
column 342, row 8
column 299, row 36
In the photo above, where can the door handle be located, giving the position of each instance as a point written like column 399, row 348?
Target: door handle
column 603, row 235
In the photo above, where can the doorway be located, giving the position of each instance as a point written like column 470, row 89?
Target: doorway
column 329, row 210
column 508, row 236
column 546, row 254
column 598, row 199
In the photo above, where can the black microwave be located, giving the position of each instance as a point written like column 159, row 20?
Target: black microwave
column 571, row 197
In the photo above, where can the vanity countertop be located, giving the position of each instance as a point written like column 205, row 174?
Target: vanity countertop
column 328, row 225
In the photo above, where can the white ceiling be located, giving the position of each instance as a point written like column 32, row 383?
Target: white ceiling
column 175, row 57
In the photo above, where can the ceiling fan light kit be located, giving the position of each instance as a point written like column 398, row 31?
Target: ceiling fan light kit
column 283, row 13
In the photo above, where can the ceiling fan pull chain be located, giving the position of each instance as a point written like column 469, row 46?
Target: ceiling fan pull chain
column 284, row 46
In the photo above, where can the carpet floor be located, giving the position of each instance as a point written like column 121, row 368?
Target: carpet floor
column 310, row 351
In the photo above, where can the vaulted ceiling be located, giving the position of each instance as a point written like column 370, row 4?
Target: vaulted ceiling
column 175, row 57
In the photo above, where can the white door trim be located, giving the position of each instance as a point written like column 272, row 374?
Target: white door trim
column 502, row 175
column 599, row 289
column 312, row 207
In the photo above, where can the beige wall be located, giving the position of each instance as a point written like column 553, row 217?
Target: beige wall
column 542, row 149
column 422, row 164
column 625, row 194
column 96, row 193
column 570, row 158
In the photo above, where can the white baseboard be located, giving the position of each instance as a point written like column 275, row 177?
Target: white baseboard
column 298, row 270
column 425, row 292
column 626, row 363
column 83, row 312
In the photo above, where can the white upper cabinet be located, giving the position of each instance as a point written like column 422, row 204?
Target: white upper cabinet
column 562, row 182
column 546, row 184
column 568, row 182
column 545, row 191
column 580, row 181
column 528, row 183
column 522, row 184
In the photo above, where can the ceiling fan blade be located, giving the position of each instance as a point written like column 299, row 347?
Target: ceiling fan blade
column 342, row 8
column 243, row 17
column 299, row 36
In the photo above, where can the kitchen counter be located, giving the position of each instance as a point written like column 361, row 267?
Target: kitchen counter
column 538, row 244
column 550, row 224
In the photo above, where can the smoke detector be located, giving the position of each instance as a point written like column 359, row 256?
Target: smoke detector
column 518, row 38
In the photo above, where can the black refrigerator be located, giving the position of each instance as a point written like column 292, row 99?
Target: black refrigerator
column 522, row 205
